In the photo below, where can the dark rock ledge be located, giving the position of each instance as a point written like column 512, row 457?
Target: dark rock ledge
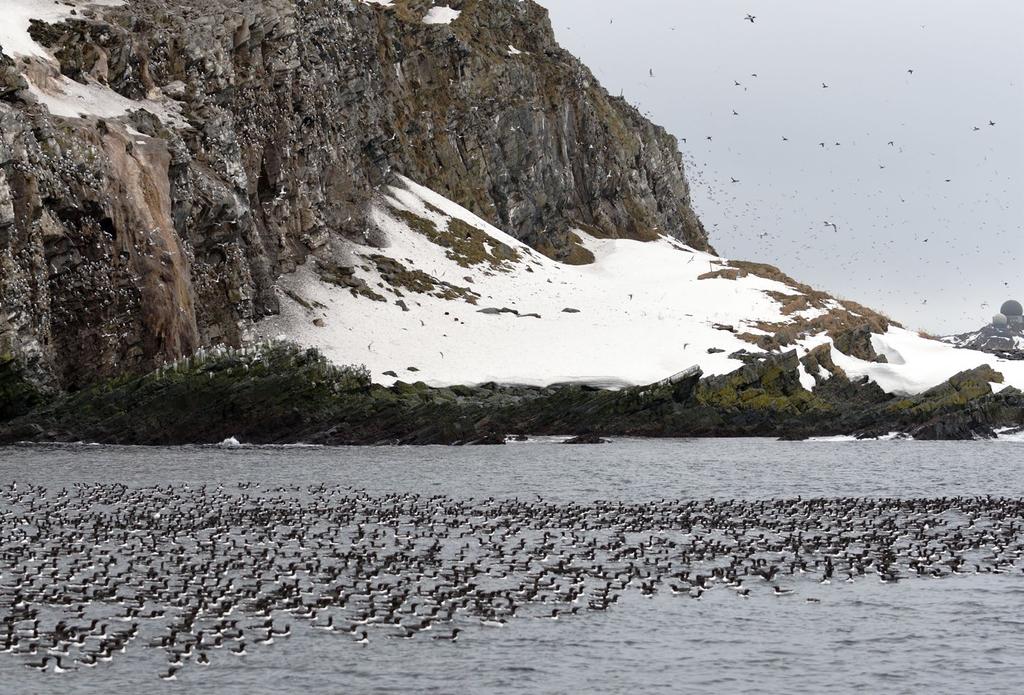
column 280, row 393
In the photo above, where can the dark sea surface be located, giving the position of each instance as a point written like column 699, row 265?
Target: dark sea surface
column 959, row 633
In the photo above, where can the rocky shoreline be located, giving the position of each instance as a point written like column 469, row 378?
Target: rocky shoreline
column 279, row 393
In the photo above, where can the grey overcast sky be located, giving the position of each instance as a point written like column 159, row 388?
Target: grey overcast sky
column 935, row 254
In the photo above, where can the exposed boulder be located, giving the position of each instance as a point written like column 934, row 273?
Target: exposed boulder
column 856, row 342
column 768, row 381
column 818, row 363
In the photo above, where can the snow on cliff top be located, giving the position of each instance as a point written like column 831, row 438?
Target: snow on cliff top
column 16, row 14
column 442, row 14
column 637, row 314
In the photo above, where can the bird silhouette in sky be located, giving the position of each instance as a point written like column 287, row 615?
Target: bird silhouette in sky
column 750, row 18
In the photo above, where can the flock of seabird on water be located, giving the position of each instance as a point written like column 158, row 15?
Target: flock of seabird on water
column 220, row 572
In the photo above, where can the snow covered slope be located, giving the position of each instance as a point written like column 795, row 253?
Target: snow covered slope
column 916, row 364
column 449, row 299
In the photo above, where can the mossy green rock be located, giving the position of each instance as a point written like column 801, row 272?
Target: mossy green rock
column 18, row 394
column 281, row 393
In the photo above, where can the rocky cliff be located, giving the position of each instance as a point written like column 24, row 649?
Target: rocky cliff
column 162, row 162
column 1004, row 341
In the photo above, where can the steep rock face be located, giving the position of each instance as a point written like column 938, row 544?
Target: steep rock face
column 134, row 231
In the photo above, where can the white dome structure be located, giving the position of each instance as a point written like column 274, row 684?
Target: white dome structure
column 1011, row 308
column 999, row 320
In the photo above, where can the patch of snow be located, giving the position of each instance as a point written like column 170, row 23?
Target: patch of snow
column 539, row 439
column 889, row 437
column 884, row 348
column 419, row 200
column 808, row 314
column 70, row 99
column 513, row 51
column 382, row 3
column 806, row 380
column 14, row 37
column 925, row 363
column 1010, row 434
column 441, row 14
